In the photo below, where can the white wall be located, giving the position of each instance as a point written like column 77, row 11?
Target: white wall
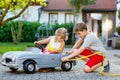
column 95, row 27
column 117, row 19
column 61, row 17
column 105, row 29
column 89, row 24
column 44, row 17
column 107, row 26
column 31, row 14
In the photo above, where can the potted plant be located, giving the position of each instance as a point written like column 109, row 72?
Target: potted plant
column 118, row 30
column 116, row 39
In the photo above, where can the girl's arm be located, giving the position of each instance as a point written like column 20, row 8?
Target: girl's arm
column 77, row 45
column 60, row 50
column 44, row 41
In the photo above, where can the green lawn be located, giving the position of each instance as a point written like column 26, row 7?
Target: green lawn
column 5, row 47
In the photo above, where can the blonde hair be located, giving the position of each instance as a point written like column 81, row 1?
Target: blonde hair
column 62, row 32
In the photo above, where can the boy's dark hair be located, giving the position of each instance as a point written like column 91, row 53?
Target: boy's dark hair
column 79, row 27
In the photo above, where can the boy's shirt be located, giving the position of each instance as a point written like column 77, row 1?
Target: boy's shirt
column 93, row 42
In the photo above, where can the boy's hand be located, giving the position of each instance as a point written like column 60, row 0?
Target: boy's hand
column 70, row 51
column 64, row 59
column 64, row 52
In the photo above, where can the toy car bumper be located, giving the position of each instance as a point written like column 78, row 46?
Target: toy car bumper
column 10, row 65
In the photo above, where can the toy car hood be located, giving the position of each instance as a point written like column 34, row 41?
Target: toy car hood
column 21, row 54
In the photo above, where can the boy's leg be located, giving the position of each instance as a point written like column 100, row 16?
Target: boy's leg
column 88, row 69
column 86, row 59
column 93, row 63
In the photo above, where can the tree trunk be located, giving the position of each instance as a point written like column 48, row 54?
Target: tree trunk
column 77, row 19
column 3, row 22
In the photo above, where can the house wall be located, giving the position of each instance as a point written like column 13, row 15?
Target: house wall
column 89, row 23
column 107, row 27
column 92, row 23
column 95, row 27
column 61, row 16
column 44, row 17
column 117, row 19
column 32, row 13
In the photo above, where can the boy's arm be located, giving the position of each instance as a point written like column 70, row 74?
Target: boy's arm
column 76, row 46
column 75, row 53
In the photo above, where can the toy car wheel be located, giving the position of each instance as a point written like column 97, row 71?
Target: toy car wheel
column 66, row 66
column 29, row 67
column 13, row 69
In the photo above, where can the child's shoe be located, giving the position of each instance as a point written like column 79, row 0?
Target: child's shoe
column 44, row 70
column 107, row 67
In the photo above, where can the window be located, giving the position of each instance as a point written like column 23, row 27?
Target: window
column 53, row 18
column 68, row 17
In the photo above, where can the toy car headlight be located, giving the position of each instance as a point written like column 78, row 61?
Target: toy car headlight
column 2, row 60
column 13, row 60
column 3, row 57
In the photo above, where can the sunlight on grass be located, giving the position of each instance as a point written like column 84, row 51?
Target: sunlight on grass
column 5, row 47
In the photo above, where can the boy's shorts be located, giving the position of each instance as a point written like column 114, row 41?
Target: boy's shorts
column 93, row 60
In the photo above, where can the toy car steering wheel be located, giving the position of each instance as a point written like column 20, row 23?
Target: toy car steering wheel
column 39, row 46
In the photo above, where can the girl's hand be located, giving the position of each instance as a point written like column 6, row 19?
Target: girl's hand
column 35, row 42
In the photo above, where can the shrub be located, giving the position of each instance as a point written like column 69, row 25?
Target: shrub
column 5, row 33
column 118, row 30
column 29, row 30
column 27, row 33
column 69, row 27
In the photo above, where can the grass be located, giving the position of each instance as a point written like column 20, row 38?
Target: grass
column 68, row 46
column 7, row 46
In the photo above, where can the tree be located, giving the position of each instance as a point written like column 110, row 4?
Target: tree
column 78, row 6
column 20, row 6
column 119, row 13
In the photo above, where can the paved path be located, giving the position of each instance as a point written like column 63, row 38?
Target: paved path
column 75, row 74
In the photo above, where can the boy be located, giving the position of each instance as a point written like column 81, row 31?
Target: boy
column 89, row 44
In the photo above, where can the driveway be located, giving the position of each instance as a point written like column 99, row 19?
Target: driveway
column 75, row 74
